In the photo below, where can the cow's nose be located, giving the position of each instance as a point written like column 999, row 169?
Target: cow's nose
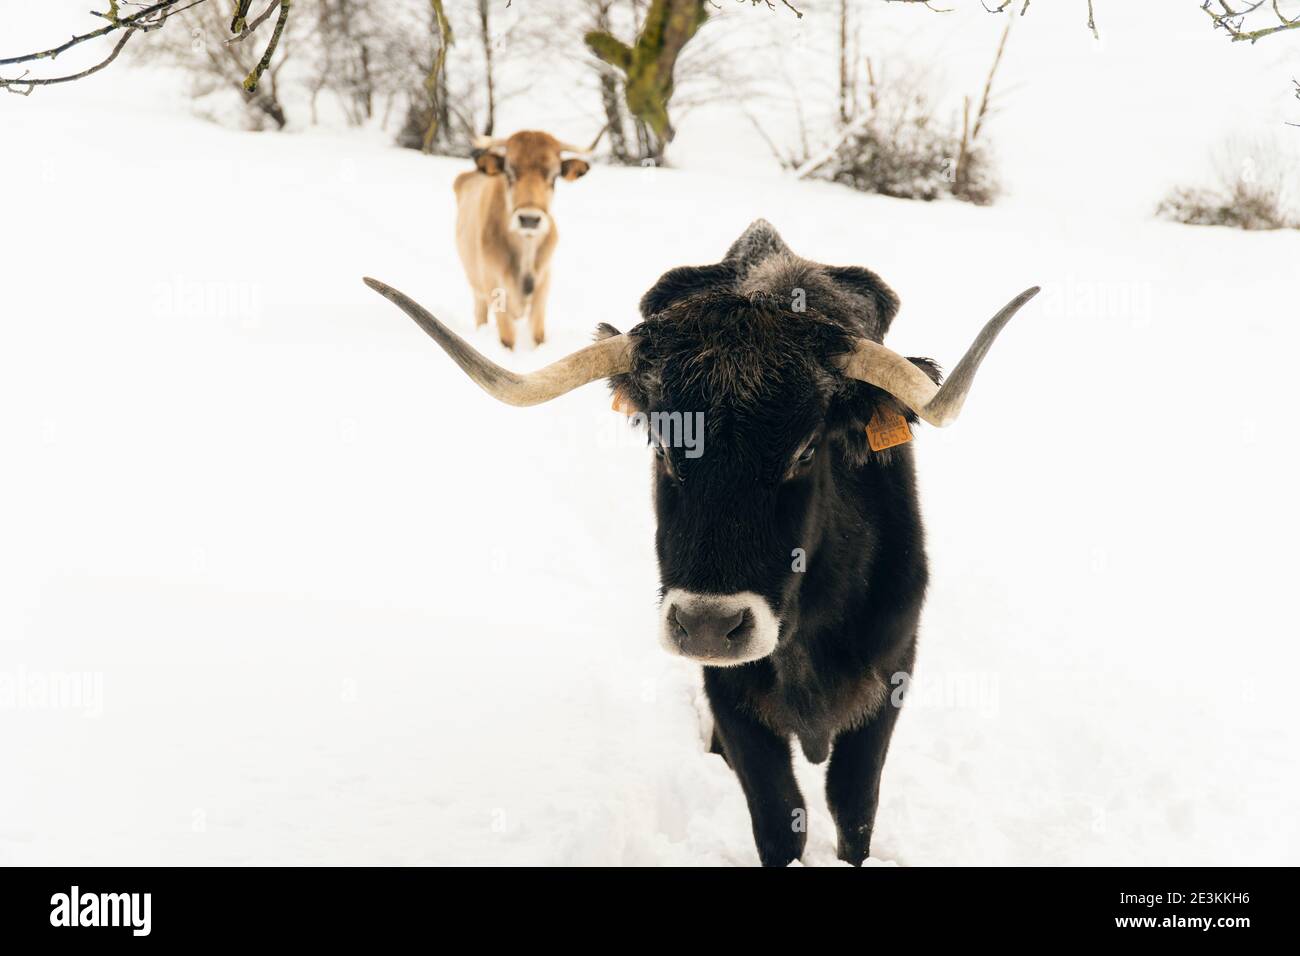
column 710, row 633
column 718, row 629
column 529, row 220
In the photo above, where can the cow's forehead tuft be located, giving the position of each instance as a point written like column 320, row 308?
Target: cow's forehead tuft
column 759, row 241
column 728, row 348
column 533, row 148
column 759, row 263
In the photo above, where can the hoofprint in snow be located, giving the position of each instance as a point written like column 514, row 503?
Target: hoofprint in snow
column 281, row 586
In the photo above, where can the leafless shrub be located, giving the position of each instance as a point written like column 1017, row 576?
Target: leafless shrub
column 892, row 137
column 1251, row 190
column 912, row 156
column 900, row 146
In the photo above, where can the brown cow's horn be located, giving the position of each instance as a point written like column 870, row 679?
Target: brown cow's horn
column 607, row 357
column 871, row 362
column 585, row 150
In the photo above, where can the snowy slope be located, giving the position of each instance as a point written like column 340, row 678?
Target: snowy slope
column 338, row 607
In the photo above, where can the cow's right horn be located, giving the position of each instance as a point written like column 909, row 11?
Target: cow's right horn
column 607, row 357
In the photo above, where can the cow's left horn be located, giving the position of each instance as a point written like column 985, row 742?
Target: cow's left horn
column 584, row 150
column 871, row 362
column 607, row 357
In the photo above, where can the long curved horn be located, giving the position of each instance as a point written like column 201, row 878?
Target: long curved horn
column 602, row 359
column 584, row 150
column 871, row 362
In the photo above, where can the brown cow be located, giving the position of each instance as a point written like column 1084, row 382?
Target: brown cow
column 504, row 229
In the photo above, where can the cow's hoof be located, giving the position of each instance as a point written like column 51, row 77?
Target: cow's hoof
column 780, row 847
column 778, row 855
column 855, row 848
column 852, row 857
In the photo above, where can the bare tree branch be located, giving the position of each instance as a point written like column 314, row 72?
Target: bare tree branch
column 116, row 23
column 152, row 17
column 248, row 28
column 255, row 76
column 23, row 86
column 926, row 4
column 1233, row 21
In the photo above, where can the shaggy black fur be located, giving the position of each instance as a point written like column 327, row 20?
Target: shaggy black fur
column 751, row 343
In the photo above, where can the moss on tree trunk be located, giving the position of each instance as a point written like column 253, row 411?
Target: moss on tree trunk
column 647, row 65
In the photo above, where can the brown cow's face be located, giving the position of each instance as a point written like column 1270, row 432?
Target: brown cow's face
column 531, row 162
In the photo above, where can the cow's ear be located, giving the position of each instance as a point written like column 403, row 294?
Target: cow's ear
column 853, row 409
column 624, row 401
column 880, row 301
column 572, row 169
column 685, row 281
column 627, row 398
column 489, row 162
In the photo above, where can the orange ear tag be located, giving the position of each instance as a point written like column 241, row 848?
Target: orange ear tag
column 887, row 429
column 621, row 406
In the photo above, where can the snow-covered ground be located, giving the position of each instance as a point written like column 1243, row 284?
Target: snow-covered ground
column 334, row 605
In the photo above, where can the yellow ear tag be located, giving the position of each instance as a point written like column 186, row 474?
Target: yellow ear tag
column 887, row 429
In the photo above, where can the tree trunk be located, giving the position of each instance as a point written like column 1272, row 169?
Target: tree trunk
column 844, row 62
column 648, row 64
column 610, row 98
column 614, row 117
column 486, row 32
column 367, row 84
column 436, row 85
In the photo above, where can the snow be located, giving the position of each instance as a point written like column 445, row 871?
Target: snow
column 336, row 606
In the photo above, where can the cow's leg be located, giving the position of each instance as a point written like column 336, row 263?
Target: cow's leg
column 761, row 761
column 503, row 306
column 715, row 747
column 480, row 310
column 853, row 782
column 506, row 329
column 537, row 313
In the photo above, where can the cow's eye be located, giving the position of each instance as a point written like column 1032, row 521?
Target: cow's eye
column 808, row 454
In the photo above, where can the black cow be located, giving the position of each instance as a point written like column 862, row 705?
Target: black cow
column 790, row 542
